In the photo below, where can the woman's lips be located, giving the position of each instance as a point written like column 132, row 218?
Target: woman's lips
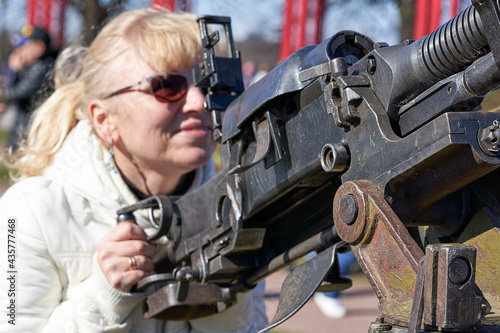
column 195, row 130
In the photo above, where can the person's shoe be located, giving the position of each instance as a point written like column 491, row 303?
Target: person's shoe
column 331, row 307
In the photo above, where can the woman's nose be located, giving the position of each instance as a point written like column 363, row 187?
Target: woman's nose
column 194, row 100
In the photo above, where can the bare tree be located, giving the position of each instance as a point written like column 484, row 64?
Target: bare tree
column 406, row 9
column 95, row 15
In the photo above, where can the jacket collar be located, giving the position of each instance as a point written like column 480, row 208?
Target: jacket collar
column 81, row 167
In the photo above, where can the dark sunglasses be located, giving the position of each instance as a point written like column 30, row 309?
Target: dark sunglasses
column 169, row 87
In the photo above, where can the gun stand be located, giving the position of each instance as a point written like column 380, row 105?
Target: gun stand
column 437, row 289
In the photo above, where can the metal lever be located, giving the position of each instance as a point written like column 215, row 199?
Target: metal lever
column 417, row 309
column 160, row 202
column 301, row 284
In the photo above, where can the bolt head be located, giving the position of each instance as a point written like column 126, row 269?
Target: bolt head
column 348, row 209
column 459, row 271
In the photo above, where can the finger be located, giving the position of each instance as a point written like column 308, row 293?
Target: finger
column 139, row 262
column 128, row 279
column 119, row 265
column 127, row 230
column 123, row 272
column 125, row 248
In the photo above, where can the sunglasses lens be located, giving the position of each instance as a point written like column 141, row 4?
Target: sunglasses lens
column 170, row 88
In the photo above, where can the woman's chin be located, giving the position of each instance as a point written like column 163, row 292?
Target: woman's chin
column 195, row 158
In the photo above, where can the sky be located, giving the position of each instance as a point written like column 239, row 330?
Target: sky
column 252, row 17
column 380, row 21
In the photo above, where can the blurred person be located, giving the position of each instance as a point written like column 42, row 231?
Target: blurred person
column 330, row 303
column 248, row 70
column 126, row 125
column 29, row 63
column 4, row 79
column 262, row 71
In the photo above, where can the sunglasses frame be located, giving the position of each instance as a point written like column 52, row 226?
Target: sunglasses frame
column 151, row 92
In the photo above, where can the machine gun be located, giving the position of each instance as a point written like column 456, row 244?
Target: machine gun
column 347, row 142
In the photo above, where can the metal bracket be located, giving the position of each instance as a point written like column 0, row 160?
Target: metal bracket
column 450, row 300
column 161, row 202
column 267, row 140
column 489, row 12
column 220, row 77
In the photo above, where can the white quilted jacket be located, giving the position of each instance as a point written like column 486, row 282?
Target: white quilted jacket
column 60, row 217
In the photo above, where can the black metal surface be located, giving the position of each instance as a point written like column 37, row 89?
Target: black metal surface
column 219, row 76
column 384, row 114
column 451, row 301
column 201, row 301
column 284, row 79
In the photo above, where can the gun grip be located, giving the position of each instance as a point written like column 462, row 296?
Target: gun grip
column 126, row 217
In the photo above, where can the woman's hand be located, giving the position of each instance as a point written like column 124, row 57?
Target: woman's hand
column 125, row 256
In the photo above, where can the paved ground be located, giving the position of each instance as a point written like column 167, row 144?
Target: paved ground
column 360, row 301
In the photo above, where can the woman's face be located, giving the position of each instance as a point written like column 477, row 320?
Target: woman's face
column 159, row 135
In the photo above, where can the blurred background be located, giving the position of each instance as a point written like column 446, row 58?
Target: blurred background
column 263, row 30
column 266, row 32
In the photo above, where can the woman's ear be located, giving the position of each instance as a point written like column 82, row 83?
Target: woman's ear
column 102, row 121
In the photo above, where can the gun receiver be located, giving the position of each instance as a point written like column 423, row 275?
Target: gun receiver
column 359, row 143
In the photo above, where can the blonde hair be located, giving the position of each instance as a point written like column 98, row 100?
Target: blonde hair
column 163, row 39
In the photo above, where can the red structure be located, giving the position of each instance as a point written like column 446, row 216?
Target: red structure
column 302, row 24
column 302, row 21
column 48, row 14
column 430, row 14
column 173, row 5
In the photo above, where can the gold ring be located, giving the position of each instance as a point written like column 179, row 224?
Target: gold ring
column 133, row 263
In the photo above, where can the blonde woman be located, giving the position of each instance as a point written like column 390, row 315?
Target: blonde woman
column 130, row 125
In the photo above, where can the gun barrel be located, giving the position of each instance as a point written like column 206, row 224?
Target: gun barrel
column 409, row 69
column 318, row 242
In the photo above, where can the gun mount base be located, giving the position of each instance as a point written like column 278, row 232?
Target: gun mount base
column 442, row 293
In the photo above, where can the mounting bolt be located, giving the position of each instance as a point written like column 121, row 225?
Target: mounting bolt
column 224, row 242
column 459, row 271
column 217, row 135
column 489, row 139
column 348, row 209
column 371, row 66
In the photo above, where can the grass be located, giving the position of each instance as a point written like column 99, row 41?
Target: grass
column 4, row 171
column 4, row 135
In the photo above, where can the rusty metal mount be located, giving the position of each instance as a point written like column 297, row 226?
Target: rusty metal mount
column 382, row 245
